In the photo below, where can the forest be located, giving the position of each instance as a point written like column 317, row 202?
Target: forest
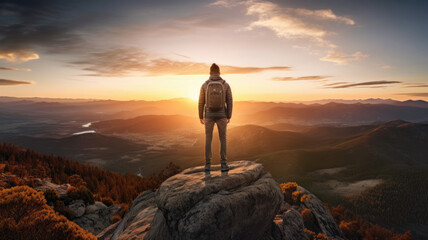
column 30, row 214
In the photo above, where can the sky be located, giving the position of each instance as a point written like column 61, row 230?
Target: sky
column 290, row 50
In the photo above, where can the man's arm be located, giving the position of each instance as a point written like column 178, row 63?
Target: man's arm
column 201, row 103
column 229, row 102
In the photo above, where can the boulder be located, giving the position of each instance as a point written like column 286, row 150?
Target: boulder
column 77, row 207
column 287, row 226
column 240, row 204
column 97, row 217
column 97, row 206
column 137, row 220
column 324, row 221
column 245, row 203
column 60, row 189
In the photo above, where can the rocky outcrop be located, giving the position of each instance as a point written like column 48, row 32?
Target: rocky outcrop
column 78, row 208
column 93, row 217
column 97, row 217
column 323, row 220
column 246, row 203
column 239, row 205
column 289, row 223
column 136, row 222
column 47, row 184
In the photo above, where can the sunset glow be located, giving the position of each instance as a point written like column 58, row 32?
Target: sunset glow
column 267, row 50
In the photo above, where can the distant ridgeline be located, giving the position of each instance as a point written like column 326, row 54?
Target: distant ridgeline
column 26, row 213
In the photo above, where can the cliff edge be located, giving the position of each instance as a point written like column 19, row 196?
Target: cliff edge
column 245, row 203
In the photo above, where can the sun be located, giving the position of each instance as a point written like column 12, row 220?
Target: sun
column 194, row 96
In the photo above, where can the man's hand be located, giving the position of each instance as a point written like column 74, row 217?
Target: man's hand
column 202, row 121
column 228, row 120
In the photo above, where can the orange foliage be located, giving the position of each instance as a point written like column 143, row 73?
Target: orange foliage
column 291, row 195
column 321, row 236
column 288, row 188
column 25, row 215
column 22, row 163
column 354, row 227
column 315, row 236
column 76, row 181
column 81, row 192
column 296, row 196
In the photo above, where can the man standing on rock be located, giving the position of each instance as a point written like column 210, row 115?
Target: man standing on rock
column 215, row 107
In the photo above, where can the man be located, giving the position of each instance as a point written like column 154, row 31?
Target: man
column 215, row 107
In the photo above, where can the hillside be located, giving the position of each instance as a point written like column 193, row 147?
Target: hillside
column 337, row 113
column 147, row 123
column 28, row 164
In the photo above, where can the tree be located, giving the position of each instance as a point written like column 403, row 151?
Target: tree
column 25, row 215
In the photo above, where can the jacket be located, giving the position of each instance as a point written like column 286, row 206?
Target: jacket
column 224, row 113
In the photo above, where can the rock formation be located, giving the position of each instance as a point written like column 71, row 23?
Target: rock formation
column 93, row 217
column 97, row 217
column 245, row 203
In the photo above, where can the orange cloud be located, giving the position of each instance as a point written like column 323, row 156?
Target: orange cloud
column 15, row 69
column 361, row 84
column 342, row 58
column 19, row 56
column 133, row 61
column 295, row 23
column 8, row 82
column 271, row 16
column 300, row 78
column 326, row 14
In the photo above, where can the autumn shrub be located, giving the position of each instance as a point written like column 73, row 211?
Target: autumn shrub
column 288, row 188
column 60, row 207
column 25, row 215
column 309, row 234
column 82, row 193
column 354, row 227
column 350, row 229
column 320, row 236
column 76, row 181
column 291, row 195
column 51, row 196
column 107, row 201
column 296, row 196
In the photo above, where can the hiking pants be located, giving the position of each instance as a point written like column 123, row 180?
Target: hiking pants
column 221, row 127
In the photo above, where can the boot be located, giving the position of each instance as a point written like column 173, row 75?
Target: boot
column 224, row 167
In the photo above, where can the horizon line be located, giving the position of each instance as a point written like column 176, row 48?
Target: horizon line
column 191, row 100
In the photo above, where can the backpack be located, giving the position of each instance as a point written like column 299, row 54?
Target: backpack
column 215, row 96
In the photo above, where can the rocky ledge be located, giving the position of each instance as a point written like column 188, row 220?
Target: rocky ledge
column 245, row 203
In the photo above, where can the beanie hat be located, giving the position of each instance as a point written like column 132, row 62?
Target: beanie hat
column 214, row 69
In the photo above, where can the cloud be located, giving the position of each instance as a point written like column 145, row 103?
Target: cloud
column 134, row 61
column 295, row 23
column 226, row 3
column 324, row 14
column 31, row 27
column 424, row 94
column 386, row 66
column 361, row 84
column 18, row 56
column 314, row 78
column 15, row 69
column 415, row 85
column 279, row 20
column 8, row 82
column 335, row 84
column 342, row 58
